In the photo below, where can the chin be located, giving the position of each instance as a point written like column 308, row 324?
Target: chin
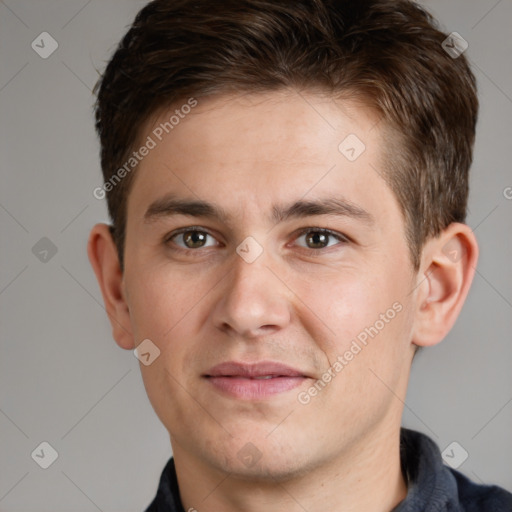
column 262, row 473
column 271, row 464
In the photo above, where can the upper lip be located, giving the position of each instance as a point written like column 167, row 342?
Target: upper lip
column 251, row 370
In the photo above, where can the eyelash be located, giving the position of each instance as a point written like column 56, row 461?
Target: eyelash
column 343, row 239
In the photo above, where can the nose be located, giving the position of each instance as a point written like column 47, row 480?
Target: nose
column 254, row 299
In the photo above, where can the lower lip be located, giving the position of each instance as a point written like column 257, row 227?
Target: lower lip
column 254, row 389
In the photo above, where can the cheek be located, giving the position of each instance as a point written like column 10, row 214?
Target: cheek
column 160, row 300
column 367, row 355
column 165, row 307
column 373, row 324
column 350, row 305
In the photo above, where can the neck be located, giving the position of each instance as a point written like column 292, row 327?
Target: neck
column 366, row 477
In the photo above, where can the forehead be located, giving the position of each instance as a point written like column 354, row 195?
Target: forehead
column 270, row 123
column 250, row 152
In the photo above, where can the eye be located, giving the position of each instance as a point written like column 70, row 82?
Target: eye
column 190, row 238
column 315, row 239
column 318, row 238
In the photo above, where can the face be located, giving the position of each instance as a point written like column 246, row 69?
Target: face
column 266, row 260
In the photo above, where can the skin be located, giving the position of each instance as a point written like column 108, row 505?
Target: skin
column 298, row 303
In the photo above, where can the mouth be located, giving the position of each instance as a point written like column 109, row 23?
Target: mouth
column 254, row 381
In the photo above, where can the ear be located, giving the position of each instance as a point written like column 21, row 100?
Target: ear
column 103, row 256
column 447, row 269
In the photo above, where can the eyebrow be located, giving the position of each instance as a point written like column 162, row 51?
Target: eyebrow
column 170, row 205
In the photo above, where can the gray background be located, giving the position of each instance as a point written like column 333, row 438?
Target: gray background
column 63, row 378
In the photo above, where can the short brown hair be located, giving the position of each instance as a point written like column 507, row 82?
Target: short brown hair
column 388, row 53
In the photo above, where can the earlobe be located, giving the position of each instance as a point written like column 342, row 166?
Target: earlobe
column 104, row 259
column 447, row 270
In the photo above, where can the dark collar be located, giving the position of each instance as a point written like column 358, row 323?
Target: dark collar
column 431, row 486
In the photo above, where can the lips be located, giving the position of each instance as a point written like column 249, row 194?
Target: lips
column 253, row 381
column 253, row 370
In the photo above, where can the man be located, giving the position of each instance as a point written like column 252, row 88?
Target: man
column 287, row 183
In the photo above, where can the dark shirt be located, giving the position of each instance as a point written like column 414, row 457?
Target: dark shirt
column 431, row 486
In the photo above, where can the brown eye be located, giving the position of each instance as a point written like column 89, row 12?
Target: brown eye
column 194, row 239
column 191, row 239
column 318, row 238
